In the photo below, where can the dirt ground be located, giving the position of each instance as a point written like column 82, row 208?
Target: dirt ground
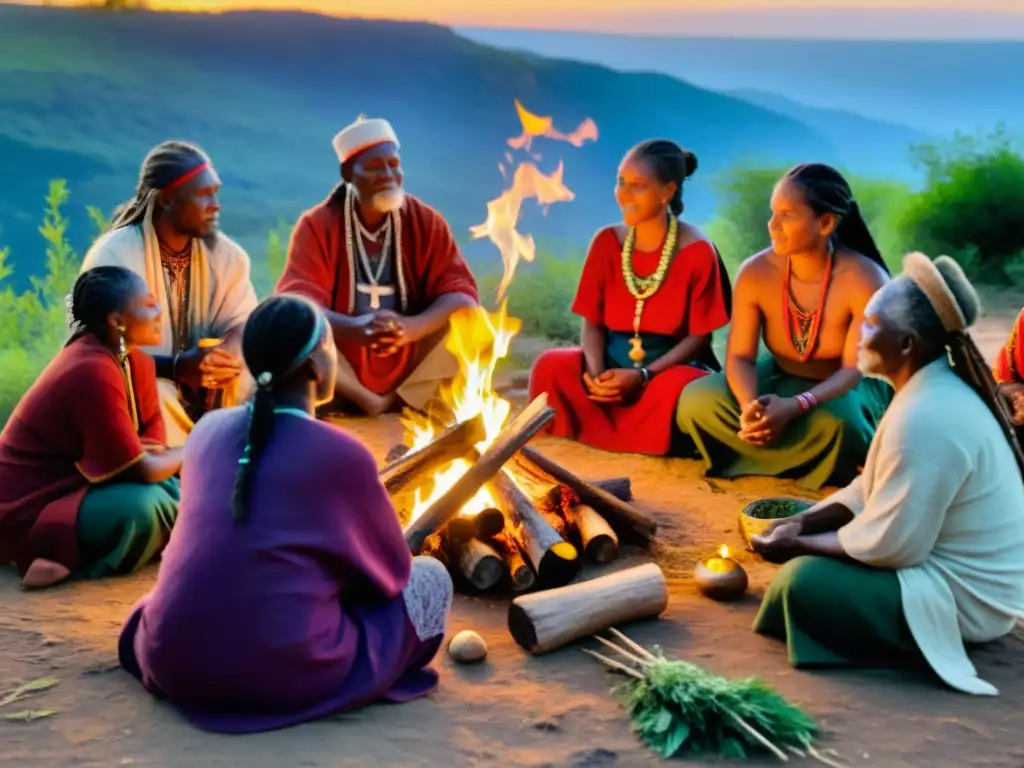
column 514, row 709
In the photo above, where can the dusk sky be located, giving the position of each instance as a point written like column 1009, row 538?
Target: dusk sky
column 788, row 18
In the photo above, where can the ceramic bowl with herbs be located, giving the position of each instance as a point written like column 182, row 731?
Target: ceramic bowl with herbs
column 758, row 515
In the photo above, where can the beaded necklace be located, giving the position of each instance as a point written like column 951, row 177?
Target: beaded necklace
column 807, row 324
column 176, row 266
column 643, row 288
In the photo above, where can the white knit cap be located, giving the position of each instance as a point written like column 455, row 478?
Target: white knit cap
column 363, row 134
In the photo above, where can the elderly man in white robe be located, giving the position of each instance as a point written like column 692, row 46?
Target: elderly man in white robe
column 168, row 234
column 922, row 554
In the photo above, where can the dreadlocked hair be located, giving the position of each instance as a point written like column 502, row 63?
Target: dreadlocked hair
column 912, row 310
column 668, row 162
column 164, row 164
column 280, row 335
column 98, row 292
column 826, row 191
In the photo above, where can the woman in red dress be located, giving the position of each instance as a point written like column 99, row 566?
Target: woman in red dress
column 652, row 292
column 87, row 488
column 1009, row 373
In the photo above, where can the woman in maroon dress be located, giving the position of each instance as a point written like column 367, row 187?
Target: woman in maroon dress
column 288, row 592
column 652, row 292
column 87, row 488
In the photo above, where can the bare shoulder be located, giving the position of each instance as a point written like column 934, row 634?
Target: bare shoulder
column 859, row 273
column 758, row 268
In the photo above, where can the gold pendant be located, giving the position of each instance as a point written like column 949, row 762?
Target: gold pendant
column 636, row 352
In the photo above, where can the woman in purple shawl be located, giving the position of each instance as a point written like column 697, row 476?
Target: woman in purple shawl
column 287, row 592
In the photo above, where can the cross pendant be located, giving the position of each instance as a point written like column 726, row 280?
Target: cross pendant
column 375, row 291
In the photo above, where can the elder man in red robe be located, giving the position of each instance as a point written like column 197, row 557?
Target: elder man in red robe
column 386, row 269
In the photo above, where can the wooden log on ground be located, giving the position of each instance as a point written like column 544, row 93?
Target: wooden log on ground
column 453, row 443
column 619, row 487
column 520, row 574
column 597, row 539
column 543, row 621
column 458, row 530
column 627, row 521
column 512, row 437
column 480, row 564
column 489, row 523
column 554, row 559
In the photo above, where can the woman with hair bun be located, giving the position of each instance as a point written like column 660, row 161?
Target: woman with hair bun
column 288, row 592
column 87, row 487
column 652, row 291
column 804, row 410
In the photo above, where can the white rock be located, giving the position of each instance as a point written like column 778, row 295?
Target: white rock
column 467, row 647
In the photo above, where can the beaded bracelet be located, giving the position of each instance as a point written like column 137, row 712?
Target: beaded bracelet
column 807, row 401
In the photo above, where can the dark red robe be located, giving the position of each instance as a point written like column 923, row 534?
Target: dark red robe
column 694, row 300
column 72, row 429
column 1009, row 364
column 320, row 268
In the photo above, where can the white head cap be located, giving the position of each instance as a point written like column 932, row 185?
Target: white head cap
column 363, row 134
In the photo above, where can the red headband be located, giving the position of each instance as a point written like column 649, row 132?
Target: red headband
column 186, row 176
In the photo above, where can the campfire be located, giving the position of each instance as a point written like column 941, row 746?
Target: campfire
column 493, row 509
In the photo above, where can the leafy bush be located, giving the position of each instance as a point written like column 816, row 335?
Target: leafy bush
column 541, row 295
column 971, row 205
column 33, row 323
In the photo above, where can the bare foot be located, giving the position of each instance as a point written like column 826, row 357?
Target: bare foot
column 44, row 573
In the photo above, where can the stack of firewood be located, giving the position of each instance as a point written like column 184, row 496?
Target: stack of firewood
column 546, row 522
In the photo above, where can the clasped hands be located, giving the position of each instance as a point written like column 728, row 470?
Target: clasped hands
column 616, row 385
column 764, row 419
column 385, row 332
column 207, row 368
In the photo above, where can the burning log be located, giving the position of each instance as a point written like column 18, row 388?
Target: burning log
column 543, row 621
column 598, row 540
column 513, row 437
column 395, row 452
column 619, row 487
column 489, row 523
column 521, row 575
column 627, row 520
column 555, row 560
column 453, row 443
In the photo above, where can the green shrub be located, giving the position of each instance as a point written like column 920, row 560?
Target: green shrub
column 971, row 206
column 541, row 295
column 33, row 323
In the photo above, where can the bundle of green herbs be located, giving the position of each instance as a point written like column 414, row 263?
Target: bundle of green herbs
column 679, row 709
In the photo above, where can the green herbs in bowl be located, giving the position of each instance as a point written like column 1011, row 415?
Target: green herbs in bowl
column 758, row 515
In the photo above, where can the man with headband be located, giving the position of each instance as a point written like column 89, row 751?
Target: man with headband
column 922, row 553
column 385, row 268
column 168, row 233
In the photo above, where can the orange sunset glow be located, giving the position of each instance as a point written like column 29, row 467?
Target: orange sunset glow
column 698, row 16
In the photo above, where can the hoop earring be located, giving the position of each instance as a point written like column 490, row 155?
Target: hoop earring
column 121, row 346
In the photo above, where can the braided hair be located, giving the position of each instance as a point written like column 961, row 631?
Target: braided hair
column 165, row 164
column 668, row 162
column 826, row 191
column 280, row 335
column 96, row 294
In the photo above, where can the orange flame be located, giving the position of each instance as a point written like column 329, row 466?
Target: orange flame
column 480, row 338
column 535, row 126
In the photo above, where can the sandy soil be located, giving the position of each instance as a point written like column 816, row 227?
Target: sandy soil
column 513, row 710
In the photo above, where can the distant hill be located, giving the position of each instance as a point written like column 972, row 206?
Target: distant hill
column 871, row 147
column 85, row 93
column 933, row 86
